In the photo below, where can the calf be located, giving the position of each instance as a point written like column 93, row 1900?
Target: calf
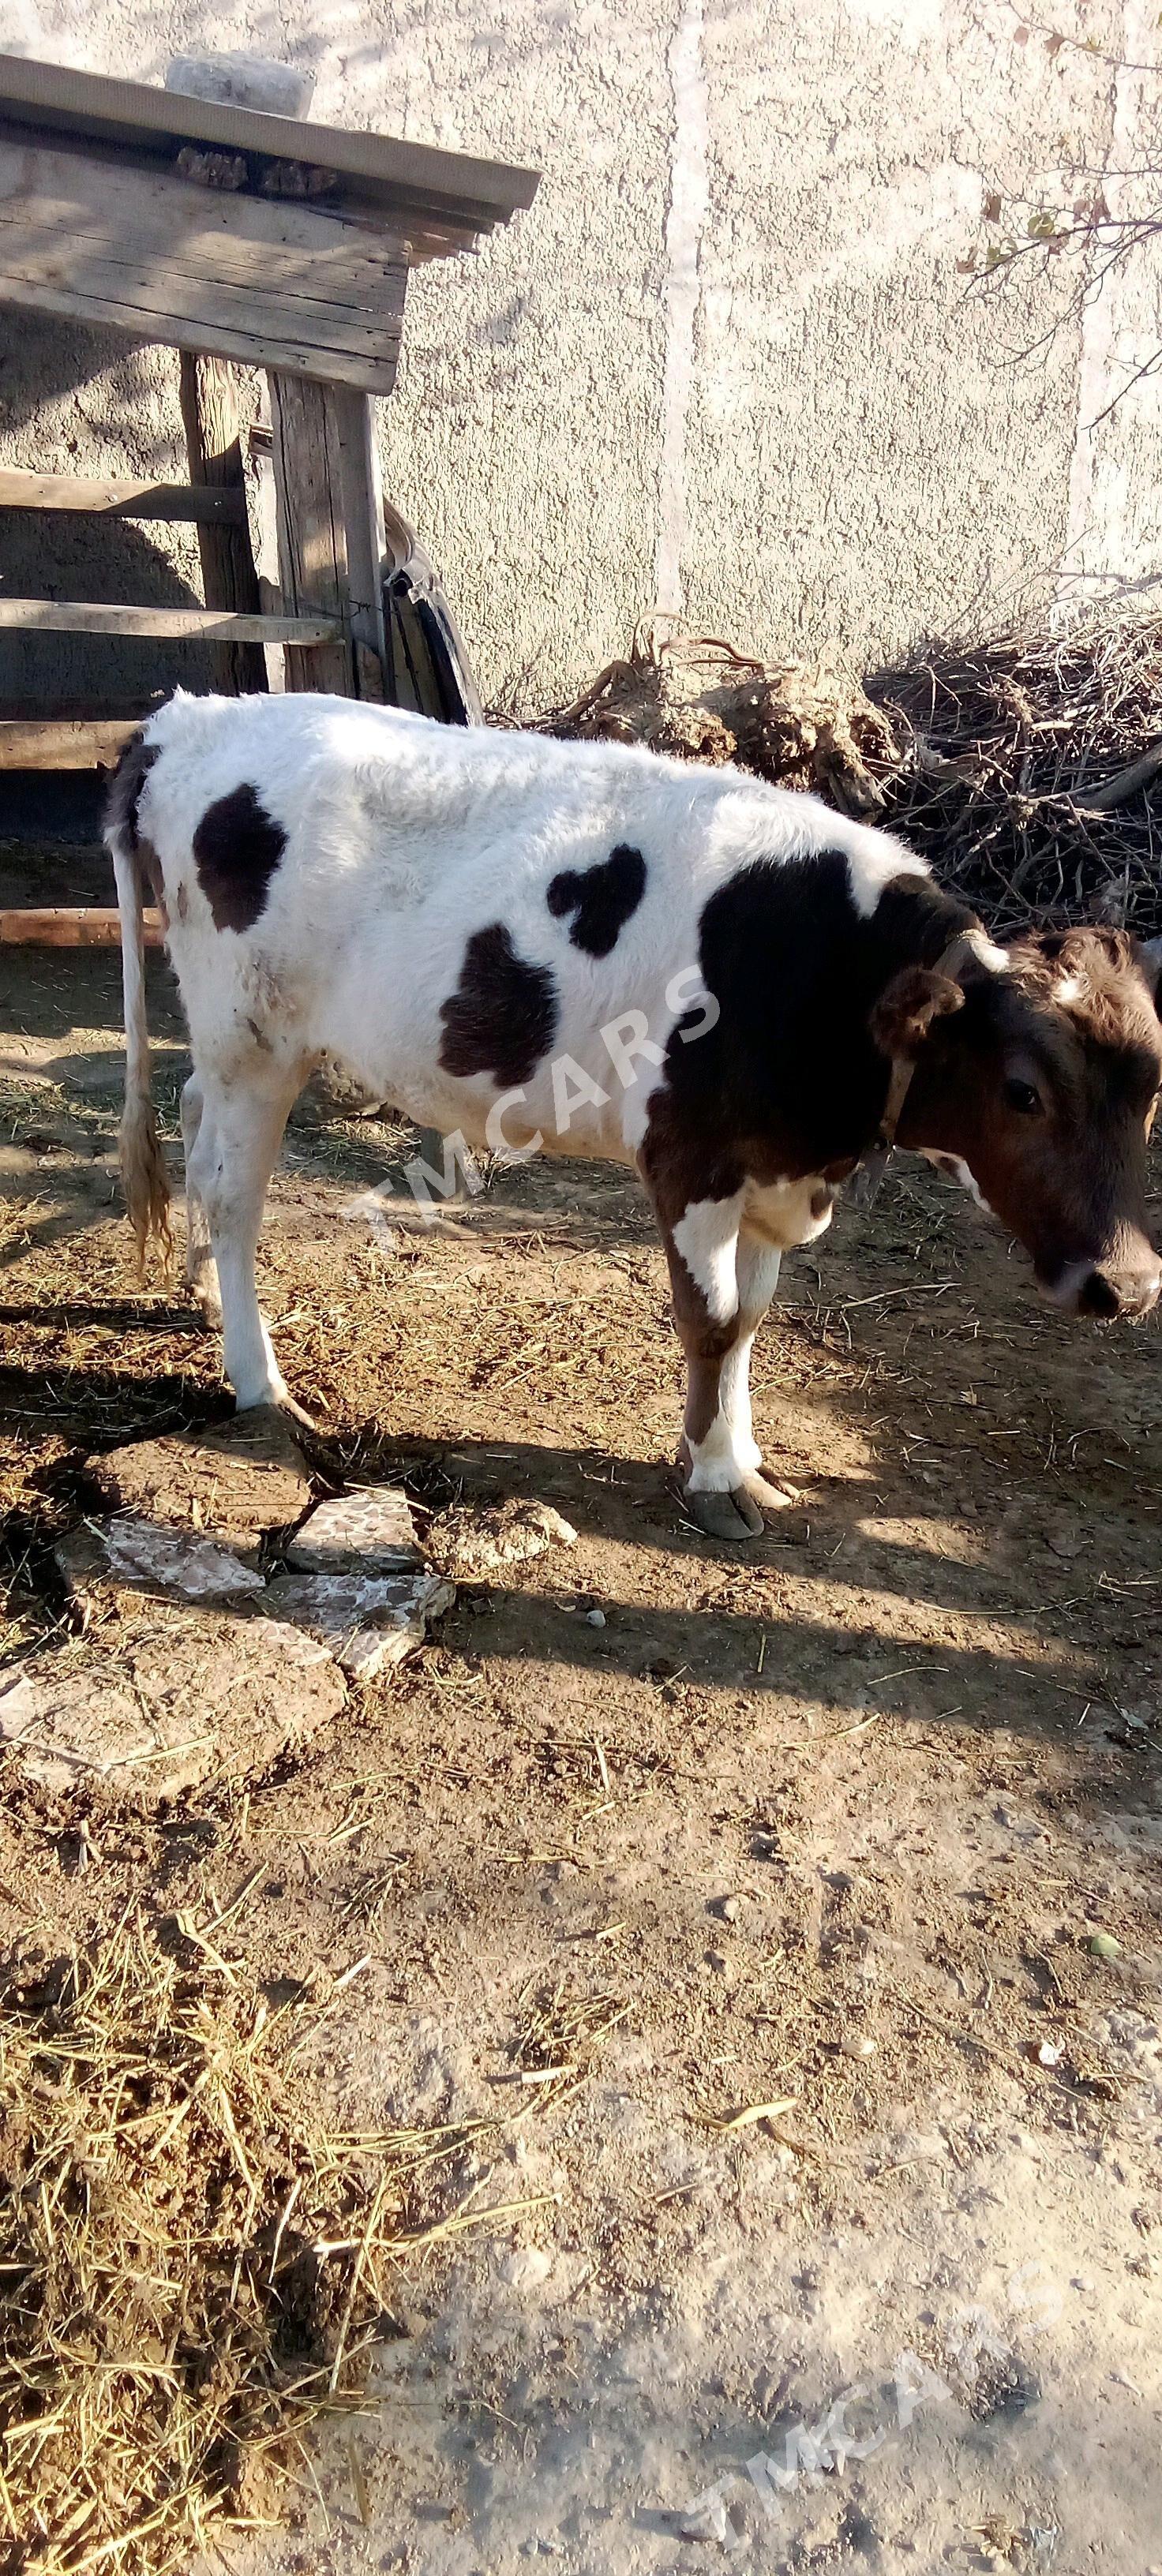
column 530, row 943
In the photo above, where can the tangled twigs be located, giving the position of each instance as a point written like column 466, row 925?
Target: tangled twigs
column 1021, row 769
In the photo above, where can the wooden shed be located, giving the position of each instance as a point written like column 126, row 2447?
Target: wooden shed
column 237, row 239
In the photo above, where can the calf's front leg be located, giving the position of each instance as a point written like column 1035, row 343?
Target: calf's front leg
column 722, row 1282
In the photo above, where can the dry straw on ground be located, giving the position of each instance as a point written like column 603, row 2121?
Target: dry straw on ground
column 193, row 2266
column 1025, row 770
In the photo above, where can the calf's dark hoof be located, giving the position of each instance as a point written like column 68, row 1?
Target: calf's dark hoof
column 729, row 1516
column 741, row 1514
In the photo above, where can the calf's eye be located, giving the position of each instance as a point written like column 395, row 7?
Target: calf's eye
column 1023, row 1096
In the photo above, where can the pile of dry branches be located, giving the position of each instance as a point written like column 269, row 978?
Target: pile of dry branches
column 1029, row 772
column 1023, row 770
column 191, row 2263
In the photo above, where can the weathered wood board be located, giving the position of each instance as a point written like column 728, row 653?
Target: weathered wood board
column 329, row 530
column 213, row 625
column 22, row 490
column 269, row 283
column 77, row 742
column 74, row 925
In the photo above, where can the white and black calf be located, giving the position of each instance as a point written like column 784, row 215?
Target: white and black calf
column 527, row 943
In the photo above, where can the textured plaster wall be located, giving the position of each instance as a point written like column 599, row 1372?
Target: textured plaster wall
column 728, row 364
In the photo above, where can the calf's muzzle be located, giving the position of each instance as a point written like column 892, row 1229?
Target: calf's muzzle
column 1127, row 1284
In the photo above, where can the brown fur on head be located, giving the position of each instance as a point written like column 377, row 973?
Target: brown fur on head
column 1045, row 1086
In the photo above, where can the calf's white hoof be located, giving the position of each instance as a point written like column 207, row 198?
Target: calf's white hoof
column 276, row 1400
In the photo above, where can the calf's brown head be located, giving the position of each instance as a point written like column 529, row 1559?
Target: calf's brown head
column 1040, row 1077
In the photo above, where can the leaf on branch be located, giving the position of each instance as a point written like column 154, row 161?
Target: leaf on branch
column 992, row 209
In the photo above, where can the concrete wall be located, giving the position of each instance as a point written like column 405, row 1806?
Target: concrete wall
column 727, row 366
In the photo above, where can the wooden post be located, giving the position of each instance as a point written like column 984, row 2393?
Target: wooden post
column 362, row 494
column 329, row 530
column 213, row 424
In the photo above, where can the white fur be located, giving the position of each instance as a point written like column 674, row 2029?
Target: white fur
column 986, row 949
column 404, row 837
column 707, row 1238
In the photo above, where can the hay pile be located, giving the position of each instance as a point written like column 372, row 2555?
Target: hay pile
column 1026, row 770
column 191, row 2264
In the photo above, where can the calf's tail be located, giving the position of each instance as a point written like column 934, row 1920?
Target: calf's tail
column 143, row 1174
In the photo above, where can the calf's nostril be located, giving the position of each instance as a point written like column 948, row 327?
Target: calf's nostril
column 1099, row 1295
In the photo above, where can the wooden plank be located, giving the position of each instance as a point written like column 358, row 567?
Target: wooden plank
column 152, row 215
column 361, row 497
column 130, row 112
column 169, row 331
column 74, row 925
column 212, row 418
column 178, row 287
column 78, row 743
column 346, row 239
column 151, row 255
column 312, row 547
column 20, row 490
column 164, row 304
column 91, row 617
column 306, row 247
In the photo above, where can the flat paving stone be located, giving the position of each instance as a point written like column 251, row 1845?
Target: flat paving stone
column 368, row 1622
column 239, row 1481
column 368, row 1531
column 205, row 1695
column 154, row 1556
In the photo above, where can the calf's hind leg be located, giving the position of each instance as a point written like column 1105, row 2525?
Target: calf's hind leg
column 238, row 1136
column 201, row 1276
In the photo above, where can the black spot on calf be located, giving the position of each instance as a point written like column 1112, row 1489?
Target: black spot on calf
column 237, row 848
column 796, row 971
column 502, row 1017
column 601, row 898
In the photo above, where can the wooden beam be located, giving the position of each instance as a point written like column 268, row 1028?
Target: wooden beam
column 272, row 284
column 74, row 925
column 130, row 114
column 172, row 501
column 213, row 625
column 212, row 418
column 78, row 743
column 312, row 544
column 361, row 496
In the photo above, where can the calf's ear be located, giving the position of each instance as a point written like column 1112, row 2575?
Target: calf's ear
column 903, row 1018
column 1151, row 956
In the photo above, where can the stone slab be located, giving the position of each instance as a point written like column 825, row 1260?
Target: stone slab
column 205, row 1695
column 154, row 1556
column 368, row 1531
column 368, row 1622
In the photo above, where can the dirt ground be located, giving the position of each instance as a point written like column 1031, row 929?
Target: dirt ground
column 829, row 1823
